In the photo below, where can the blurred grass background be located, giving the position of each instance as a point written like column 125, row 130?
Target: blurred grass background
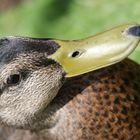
column 66, row 19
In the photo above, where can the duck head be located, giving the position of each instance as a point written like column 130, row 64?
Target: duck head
column 33, row 70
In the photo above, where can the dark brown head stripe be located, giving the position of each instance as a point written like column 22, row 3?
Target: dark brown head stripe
column 10, row 47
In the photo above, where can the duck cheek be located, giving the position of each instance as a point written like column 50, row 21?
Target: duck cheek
column 40, row 89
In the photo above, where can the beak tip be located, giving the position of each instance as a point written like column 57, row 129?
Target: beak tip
column 134, row 31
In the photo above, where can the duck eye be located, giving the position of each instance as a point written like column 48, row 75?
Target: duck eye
column 13, row 79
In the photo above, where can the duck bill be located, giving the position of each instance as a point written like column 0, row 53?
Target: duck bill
column 95, row 52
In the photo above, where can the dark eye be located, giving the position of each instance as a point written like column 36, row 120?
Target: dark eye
column 13, row 79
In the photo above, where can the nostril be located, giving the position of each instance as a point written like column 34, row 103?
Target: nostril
column 135, row 31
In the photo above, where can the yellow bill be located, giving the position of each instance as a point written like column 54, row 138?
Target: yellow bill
column 98, row 51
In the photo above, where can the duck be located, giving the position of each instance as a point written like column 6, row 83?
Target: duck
column 83, row 89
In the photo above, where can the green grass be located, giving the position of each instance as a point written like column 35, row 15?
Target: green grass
column 69, row 19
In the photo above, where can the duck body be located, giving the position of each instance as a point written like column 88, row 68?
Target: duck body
column 100, row 105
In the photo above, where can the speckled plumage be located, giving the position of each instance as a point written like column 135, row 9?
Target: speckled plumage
column 101, row 105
